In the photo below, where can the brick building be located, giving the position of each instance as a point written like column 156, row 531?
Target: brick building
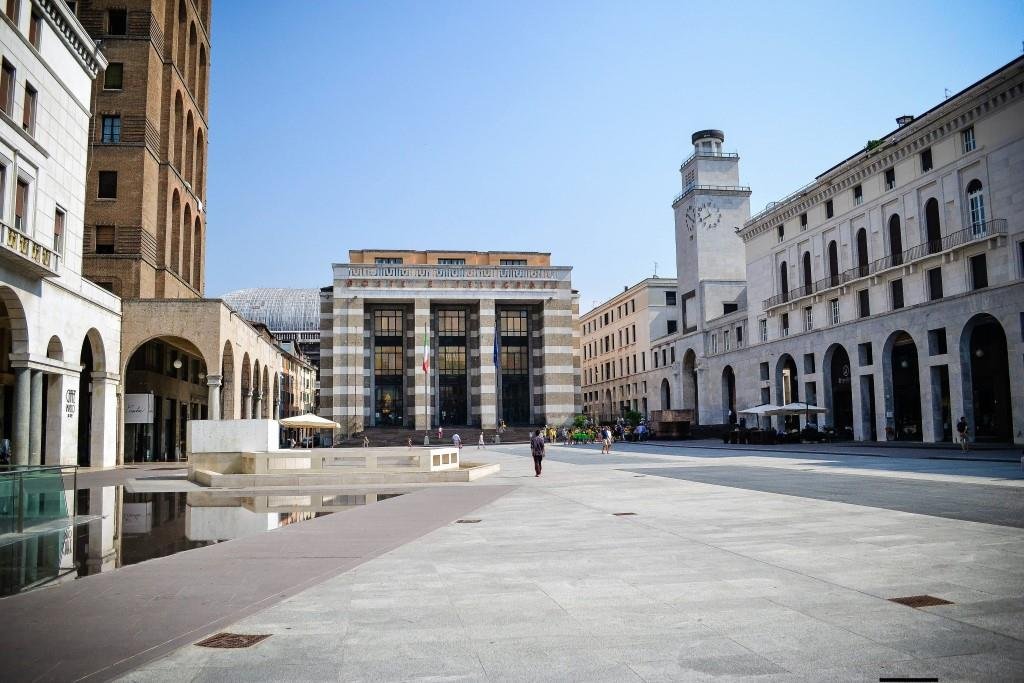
column 145, row 221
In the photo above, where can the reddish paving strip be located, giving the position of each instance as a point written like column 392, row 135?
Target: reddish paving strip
column 102, row 626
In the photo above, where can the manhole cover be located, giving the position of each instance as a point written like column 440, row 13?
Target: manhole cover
column 623, row 514
column 232, row 640
column 921, row 601
column 467, row 521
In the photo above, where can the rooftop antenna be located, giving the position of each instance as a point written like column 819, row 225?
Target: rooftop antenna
column 946, row 90
column 655, row 269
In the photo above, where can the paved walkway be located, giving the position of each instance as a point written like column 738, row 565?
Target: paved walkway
column 701, row 581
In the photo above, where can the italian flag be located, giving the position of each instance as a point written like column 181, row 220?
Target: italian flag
column 426, row 351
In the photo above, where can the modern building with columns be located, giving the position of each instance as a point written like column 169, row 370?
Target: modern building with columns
column 498, row 329
column 889, row 291
column 59, row 333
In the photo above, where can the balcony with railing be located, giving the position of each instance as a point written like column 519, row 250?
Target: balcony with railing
column 23, row 252
column 973, row 233
column 693, row 187
column 710, row 155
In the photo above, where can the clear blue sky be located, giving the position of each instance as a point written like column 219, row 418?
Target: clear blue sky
column 545, row 126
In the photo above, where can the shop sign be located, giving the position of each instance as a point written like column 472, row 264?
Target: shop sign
column 138, row 409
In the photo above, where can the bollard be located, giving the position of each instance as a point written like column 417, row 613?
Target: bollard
column 426, row 439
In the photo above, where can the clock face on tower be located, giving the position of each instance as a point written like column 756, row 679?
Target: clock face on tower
column 708, row 215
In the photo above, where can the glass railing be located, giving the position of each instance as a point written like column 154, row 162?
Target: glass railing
column 33, row 495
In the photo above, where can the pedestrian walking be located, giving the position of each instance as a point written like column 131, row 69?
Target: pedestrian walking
column 457, row 441
column 606, row 440
column 440, row 432
column 537, row 448
column 480, row 442
column 410, row 443
column 961, row 432
column 366, row 442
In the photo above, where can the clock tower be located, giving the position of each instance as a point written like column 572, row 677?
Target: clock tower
column 710, row 262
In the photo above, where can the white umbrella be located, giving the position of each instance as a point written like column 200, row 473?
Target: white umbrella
column 763, row 409
column 308, row 421
column 796, row 408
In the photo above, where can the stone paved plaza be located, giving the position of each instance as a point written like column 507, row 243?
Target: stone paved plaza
column 701, row 581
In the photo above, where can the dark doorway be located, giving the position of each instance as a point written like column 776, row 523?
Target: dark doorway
column 808, row 283
column 931, row 221
column 833, row 263
column 515, row 365
column 862, row 252
column 788, row 388
column 85, row 405
column 840, row 383
column 388, row 404
column 906, row 389
column 453, row 402
column 666, row 395
column 729, row 395
column 895, row 240
column 990, row 383
column 784, row 281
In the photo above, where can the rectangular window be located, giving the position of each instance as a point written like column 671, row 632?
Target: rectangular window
column 937, row 342
column 725, row 341
column 762, row 326
column 803, row 222
column 890, row 178
column 107, row 185
column 451, row 261
column 21, row 206
column 896, row 289
column 643, row 360
column 935, row 284
column 926, row 160
column 967, row 140
column 512, row 262
column 864, row 354
column 672, row 326
column 670, row 298
column 830, row 209
column 714, row 343
column 655, row 355
column 11, row 10
column 104, row 243
column 28, row 113
column 979, row 272
column 765, row 372
column 664, row 357
column 117, row 22
column 729, row 308
column 808, row 364
column 808, row 318
column 833, row 309
column 858, row 195
column 35, row 30
column 388, row 261
column 780, row 231
column 59, row 219
column 1020, row 245
column 784, row 324
column 113, row 78
column 863, row 303
column 739, row 337
column 111, row 129
column 7, row 80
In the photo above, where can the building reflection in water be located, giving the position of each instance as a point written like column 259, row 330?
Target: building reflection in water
column 125, row 528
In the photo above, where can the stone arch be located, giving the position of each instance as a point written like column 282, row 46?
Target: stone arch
column 190, row 147
column 175, row 222
column 666, row 395
column 690, row 394
column 728, row 395
column 227, row 382
column 193, row 50
column 180, row 33
column 55, row 349
column 985, row 377
column 203, row 78
column 179, row 127
column 186, row 244
column 245, row 387
column 199, row 167
column 12, row 309
column 268, row 399
column 902, row 387
column 787, row 387
column 197, row 255
column 98, row 349
column 838, row 385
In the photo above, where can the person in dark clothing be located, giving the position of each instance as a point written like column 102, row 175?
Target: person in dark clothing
column 537, row 448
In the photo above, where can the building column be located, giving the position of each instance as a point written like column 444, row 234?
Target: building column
column 22, row 408
column 104, row 419
column 487, row 399
column 924, row 374
column 213, row 383
column 246, row 402
column 257, row 406
column 62, row 428
column 277, row 408
column 423, row 391
column 347, row 363
column 35, row 427
column 558, row 373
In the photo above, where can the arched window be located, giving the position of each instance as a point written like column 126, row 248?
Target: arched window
column 180, row 34
column 808, row 283
column 895, row 240
column 186, row 244
column 862, row 252
column 976, row 207
column 199, row 165
column 202, row 78
column 784, row 281
column 175, row 263
column 193, row 51
column 190, row 144
column 833, row 263
column 179, row 127
column 197, row 256
column 932, row 226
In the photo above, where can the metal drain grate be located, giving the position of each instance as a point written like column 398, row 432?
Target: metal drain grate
column 623, row 514
column 467, row 521
column 921, row 601
column 232, row 640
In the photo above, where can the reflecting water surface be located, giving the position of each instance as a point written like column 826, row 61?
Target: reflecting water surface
column 118, row 527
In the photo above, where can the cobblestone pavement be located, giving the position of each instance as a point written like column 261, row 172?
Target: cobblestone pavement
column 700, row 581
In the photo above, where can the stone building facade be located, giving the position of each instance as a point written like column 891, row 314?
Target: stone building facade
column 145, row 208
column 619, row 365
column 497, row 327
column 59, row 332
column 888, row 291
